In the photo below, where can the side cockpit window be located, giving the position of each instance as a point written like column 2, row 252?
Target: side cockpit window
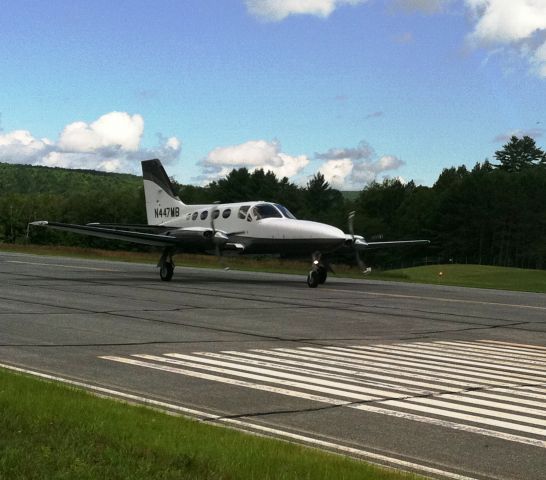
column 242, row 211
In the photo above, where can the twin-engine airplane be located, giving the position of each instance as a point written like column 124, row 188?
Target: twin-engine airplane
column 254, row 227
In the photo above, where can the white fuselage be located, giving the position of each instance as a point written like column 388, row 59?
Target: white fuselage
column 261, row 227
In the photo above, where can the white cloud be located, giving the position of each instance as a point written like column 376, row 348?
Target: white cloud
column 276, row 10
column 20, row 144
column 111, row 143
column 507, row 20
column 531, row 132
column 110, row 130
column 352, row 168
column 253, row 155
column 519, row 25
column 336, row 171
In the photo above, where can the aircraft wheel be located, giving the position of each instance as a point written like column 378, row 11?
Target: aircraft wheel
column 322, row 274
column 313, row 279
column 166, row 271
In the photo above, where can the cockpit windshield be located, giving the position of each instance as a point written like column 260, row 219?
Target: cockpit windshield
column 270, row 210
column 265, row 210
column 287, row 213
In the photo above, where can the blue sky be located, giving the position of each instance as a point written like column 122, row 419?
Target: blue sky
column 357, row 89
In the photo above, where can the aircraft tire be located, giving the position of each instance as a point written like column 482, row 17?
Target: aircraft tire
column 313, row 279
column 166, row 272
column 322, row 274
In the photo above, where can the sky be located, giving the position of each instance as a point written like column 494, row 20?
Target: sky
column 360, row 90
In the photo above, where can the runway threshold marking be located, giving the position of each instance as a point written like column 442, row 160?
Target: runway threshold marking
column 481, row 387
column 246, row 426
column 77, row 267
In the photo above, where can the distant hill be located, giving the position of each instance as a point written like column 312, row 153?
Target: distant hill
column 350, row 195
column 32, row 179
column 30, row 193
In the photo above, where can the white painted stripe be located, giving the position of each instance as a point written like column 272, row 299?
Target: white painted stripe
column 306, row 381
column 520, row 391
column 448, row 424
column 326, row 365
column 446, row 404
column 470, row 368
column 359, row 369
column 263, row 378
column 502, row 351
column 443, row 397
column 477, row 356
column 393, row 367
column 537, row 388
column 76, row 267
column 360, row 377
column 344, row 390
column 404, row 405
column 517, row 345
column 465, row 417
column 424, row 365
column 465, row 398
column 455, row 359
column 230, row 381
column 242, row 424
column 517, row 401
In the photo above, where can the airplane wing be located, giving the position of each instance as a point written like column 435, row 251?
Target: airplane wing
column 361, row 244
column 190, row 236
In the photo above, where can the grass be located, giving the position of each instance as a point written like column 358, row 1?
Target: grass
column 53, row 431
column 480, row 276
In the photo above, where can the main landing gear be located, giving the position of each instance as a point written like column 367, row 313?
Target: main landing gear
column 166, row 265
column 319, row 272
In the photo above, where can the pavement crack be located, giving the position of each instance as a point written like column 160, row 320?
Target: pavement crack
column 375, row 401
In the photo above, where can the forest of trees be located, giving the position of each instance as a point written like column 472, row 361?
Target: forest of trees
column 494, row 213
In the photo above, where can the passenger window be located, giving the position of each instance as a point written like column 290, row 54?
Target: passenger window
column 204, row 215
column 188, row 216
column 226, row 213
column 215, row 214
column 194, row 216
column 242, row 211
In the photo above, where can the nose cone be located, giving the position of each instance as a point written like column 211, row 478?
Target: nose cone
column 322, row 230
column 304, row 229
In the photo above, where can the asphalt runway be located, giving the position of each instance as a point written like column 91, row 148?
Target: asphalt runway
column 447, row 381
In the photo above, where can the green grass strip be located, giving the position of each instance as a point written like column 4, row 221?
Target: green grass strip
column 51, row 431
column 480, row 276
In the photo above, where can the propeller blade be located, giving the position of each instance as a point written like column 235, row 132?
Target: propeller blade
column 350, row 223
column 359, row 261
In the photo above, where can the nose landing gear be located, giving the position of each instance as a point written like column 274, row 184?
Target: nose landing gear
column 319, row 272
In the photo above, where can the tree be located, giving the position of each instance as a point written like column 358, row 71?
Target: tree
column 323, row 203
column 519, row 154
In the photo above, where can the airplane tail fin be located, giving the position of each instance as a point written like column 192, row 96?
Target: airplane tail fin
column 162, row 204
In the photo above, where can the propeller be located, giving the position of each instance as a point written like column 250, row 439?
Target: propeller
column 350, row 225
column 217, row 237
